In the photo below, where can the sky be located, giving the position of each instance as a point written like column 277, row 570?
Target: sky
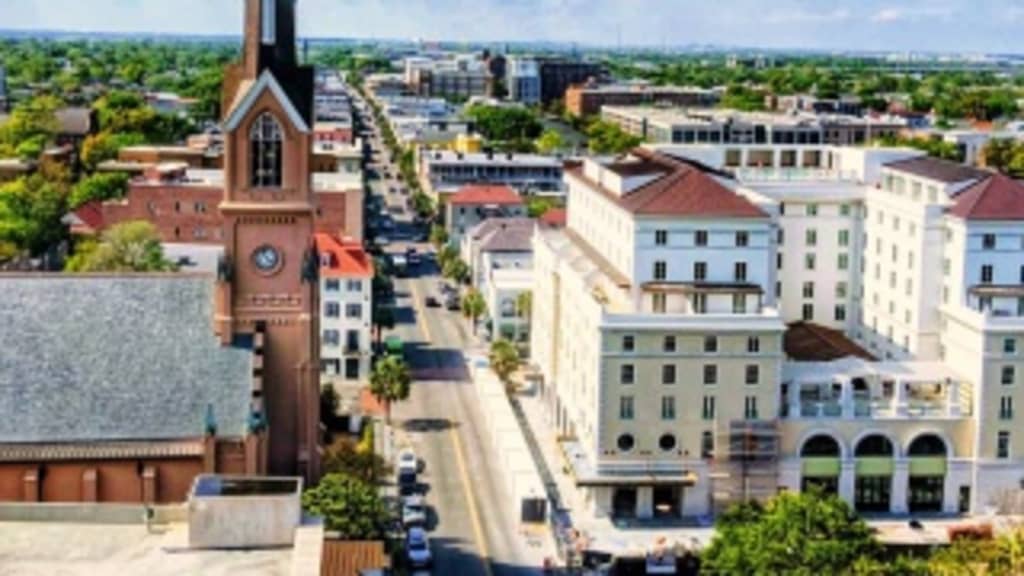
column 959, row 26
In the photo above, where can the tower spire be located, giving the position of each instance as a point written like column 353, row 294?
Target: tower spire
column 269, row 36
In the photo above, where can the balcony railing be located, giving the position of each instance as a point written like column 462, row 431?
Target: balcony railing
column 876, row 409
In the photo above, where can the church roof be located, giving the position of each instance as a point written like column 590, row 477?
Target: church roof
column 996, row 198
column 116, row 358
column 248, row 94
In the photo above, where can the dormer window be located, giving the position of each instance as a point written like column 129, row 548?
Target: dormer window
column 265, row 152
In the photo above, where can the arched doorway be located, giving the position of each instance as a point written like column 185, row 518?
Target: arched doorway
column 820, row 464
column 873, row 488
column 928, row 457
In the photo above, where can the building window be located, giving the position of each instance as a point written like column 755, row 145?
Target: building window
column 739, row 304
column 810, row 261
column 626, row 408
column 354, row 285
column 660, row 270
column 840, row 314
column 658, row 303
column 750, row 408
column 1006, row 408
column 740, row 271
column 700, row 303
column 753, row 374
column 1003, row 445
column 742, row 239
column 708, row 410
column 353, row 310
column 669, row 344
column 332, row 285
column 844, row 237
column 986, row 274
column 807, row 313
column 843, row 261
column 333, row 310
column 844, row 209
column 753, row 345
column 661, row 237
column 352, row 368
column 628, row 343
column 988, row 241
column 627, row 374
column 707, row 444
column 710, row 344
column 811, row 237
column 700, row 238
column 668, row 408
column 841, row 289
column 625, row 442
column 808, row 290
column 668, row 374
column 332, row 337
column 667, row 442
column 1010, row 346
column 781, row 236
column 1007, row 375
column 778, row 261
column 700, row 271
column 812, row 209
column 710, row 374
column 265, row 157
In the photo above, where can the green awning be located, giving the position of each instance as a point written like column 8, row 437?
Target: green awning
column 820, row 467
column 928, row 466
column 874, row 466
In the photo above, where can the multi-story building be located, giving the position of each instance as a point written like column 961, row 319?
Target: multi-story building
column 500, row 256
column 523, row 79
column 558, row 74
column 463, row 77
column 346, row 307
column 443, row 173
column 657, row 337
column 476, row 203
column 587, row 99
column 699, row 126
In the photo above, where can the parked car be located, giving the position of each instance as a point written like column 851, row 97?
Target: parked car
column 417, row 548
column 407, row 460
column 432, row 302
column 452, row 301
column 414, row 511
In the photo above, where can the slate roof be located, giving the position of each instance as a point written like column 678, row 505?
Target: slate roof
column 937, row 169
column 996, row 198
column 116, row 358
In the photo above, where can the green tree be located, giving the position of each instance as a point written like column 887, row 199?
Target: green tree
column 805, row 533
column 438, row 236
column 383, row 319
column 127, row 247
column 504, row 359
column 99, row 187
column 473, row 307
column 390, row 382
column 346, row 456
column 31, row 209
column 537, row 206
column 505, row 123
column 550, row 141
column 446, row 254
column 456, row 270
column 349, row 506
column 1001, row 556
column 422, row 205
column 608, row 138
column 104, row 146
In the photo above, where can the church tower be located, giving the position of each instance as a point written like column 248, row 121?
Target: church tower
column 268, row 286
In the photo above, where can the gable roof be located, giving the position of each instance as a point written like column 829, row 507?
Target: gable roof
column 486, row 194
column 505, row 235
column 116, row 358
column 936, row 169
column 680, row 189
column 344, row 259
column 995, row 198
column 86, row 219
column 242, row 106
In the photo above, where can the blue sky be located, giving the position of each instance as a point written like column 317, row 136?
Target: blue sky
column 934, row 25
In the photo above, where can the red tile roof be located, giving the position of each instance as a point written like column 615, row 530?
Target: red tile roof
column 345, row 259
column 91, row 216
column 486, row 194
column 352, row 558
column 555, row 218
column 684, row 190
column 996, row 198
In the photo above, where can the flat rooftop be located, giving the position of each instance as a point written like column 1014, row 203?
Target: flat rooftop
column 90, row 549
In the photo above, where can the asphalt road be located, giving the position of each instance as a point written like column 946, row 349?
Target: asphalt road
column 471, row 517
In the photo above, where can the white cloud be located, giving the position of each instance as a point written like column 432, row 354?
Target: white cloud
column 807, row 16
column 908, row 14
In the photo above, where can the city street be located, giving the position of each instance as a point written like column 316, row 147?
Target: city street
column 471, row 520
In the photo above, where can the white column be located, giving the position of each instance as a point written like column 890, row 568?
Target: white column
column 794, row 399
column 900, row 479
column 848, row 480
column 899, row 407
column 644, row 502
column 846, row 397
column 953, row 406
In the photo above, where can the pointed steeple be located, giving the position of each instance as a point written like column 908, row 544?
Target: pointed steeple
column 269, row 36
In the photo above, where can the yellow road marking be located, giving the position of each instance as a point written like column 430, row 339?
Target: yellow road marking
column 467, row 491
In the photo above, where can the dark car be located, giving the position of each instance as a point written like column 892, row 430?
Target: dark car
column 432, row 302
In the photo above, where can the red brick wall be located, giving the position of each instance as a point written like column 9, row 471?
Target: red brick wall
column 175, row 210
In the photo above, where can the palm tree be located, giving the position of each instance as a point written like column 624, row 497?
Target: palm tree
column 383, row 319
column 390, row 382
column 504, row 359
column 473, row 307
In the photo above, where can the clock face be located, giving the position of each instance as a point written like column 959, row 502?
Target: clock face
column 267, row 259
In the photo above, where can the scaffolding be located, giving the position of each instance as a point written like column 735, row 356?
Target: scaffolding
column 744, row 467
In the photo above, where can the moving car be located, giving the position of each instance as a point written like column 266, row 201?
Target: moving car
column 417, row 548
column 452, row 301
column 414, row 511
column 432, row 302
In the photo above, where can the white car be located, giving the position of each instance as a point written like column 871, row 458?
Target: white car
column 414, row 511
column 408, row 462
column 417, row 548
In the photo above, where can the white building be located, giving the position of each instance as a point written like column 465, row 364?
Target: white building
column 442, row 173
column 523, row 77
column 499, row 252
column 346, row 309
column 656, row 335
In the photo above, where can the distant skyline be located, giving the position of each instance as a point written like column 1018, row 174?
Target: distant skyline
column 971, row 26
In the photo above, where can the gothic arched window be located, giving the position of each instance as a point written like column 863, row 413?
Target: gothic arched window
column 265, row 146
